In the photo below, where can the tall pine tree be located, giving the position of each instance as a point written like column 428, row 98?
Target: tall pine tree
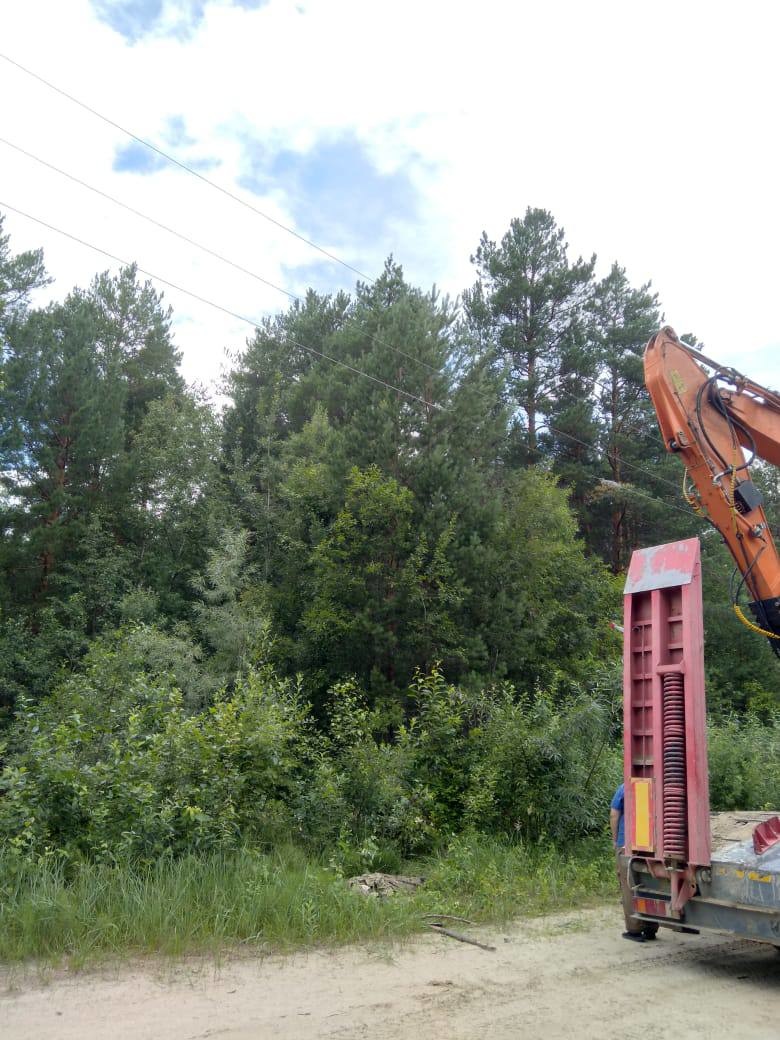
column 527, row 308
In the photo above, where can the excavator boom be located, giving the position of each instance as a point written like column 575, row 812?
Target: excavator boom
column 718, row 424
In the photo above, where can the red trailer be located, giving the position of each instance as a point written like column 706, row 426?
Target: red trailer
column 684, row 866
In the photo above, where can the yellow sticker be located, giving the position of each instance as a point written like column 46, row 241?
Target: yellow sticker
column 677, row 382
column 753, row 875
column 642, row 813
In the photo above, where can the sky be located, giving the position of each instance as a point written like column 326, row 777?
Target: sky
column 407, row 128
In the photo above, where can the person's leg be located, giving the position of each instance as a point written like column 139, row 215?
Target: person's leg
column 633, row 924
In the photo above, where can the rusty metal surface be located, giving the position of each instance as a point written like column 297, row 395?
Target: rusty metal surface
column 766, row 835
column 729, row 828
column 662, row 566
column 664, row 711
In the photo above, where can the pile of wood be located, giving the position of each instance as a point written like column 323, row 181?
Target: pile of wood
column 384, row 884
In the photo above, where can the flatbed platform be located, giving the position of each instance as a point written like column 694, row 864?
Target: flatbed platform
column 739, row 894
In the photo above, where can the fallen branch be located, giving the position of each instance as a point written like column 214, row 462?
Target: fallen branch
column 461, row 938
column 449, row 917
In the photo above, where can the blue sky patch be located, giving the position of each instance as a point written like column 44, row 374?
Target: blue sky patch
column 130, row 18
column 175, row 133
column 203, row 164
column 135, row 19
column 334, row 191
column 136, row 158
column 324, row 276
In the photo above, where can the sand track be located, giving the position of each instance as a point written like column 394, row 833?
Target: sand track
column 567, row 976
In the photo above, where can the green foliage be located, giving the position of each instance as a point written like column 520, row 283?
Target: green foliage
column 19, row 276
column 221, row 632
column 112, row 766
column 479, row 877
column 744, row 757
column 268, row 901
column 529, row 306
column 365, row 799
column 538, row 767
column 382, row 597
column 540, row 604
column 176, row 509
column 543, row 772
column 230, row 620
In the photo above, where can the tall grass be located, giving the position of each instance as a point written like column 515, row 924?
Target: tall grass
column 272, row 901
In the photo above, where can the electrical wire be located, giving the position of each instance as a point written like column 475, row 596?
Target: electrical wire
column 762, row 631
column 710, row 387
column 311, row 350
column 146, row 217
column 225, row 191
column 734, row 424
column 631, row 490
column 169, row 158
column 624, row 462
column 625, row 428
column 192, row 242
column 252, row 274
column 183, row 166
column 602, row 386
column 331, row 256
column 217, row 306
column 235, row 198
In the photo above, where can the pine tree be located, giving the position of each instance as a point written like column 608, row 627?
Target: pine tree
column 61, row 434
column 624, row 319
column 19, row 276
column 527, row 308
column 134, row 328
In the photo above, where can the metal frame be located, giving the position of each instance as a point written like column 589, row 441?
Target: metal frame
column 663, row 650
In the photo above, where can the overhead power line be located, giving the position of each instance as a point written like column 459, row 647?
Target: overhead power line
column 623, row 462
column 176, row 162
column 146, row 217
column 624, row 428
column 184, row 166
column 215, row 305
column 594, row 382
column 317, row 353
column 225, row 191
column 311, row 350
column 265, row 281
column 191, row 241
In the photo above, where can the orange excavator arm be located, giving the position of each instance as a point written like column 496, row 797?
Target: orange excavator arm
column 718, row 424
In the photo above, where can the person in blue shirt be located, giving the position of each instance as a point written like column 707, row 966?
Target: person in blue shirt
column 636, row 929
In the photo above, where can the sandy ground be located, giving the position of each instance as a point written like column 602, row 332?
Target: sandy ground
column 568, row 976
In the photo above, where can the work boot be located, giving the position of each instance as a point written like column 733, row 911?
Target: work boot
column 634, row 936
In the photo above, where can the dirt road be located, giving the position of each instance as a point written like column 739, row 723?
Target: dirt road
column 570, row 976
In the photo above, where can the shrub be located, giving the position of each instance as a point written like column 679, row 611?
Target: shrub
column 364, row 797
column 744, row 757
column 112, row 766
column 540, row 771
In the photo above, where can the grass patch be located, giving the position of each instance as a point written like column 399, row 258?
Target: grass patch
column 273, row 900
column 489, row 880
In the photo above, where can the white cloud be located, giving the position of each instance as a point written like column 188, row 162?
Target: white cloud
column 645, row 129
